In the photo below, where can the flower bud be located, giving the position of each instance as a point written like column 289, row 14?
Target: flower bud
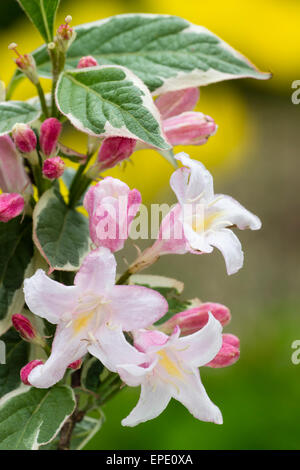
column 26, row 64
column 24, row 138
column 65, row 35
column 24, row 326
column 111, row 206
column 189, row 128
column 49, row 134
column 229, row 352
column 11, row 205
column 177, row 102
column 75, row 365
column 114, row 150
column 196, row 318
column 87, row 61
column 25, row 371
column 53, row 168
column 13, row 177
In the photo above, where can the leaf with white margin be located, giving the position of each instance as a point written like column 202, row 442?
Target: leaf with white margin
column 110, row 101
column 60, row 233
column 42, row 14
column 31, row 417
column 166, row 52
column 16, row 356
column 12, row 112
column 16, row 253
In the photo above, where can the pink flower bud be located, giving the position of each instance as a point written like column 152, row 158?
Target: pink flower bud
column 25, row 371
column 13, row 177
column 24, row 138
column 25, row 63
column 114, row 150
column 65, row 34
column 49, row 134
column 228, row 354
column 177, row 102
column 75, row 365
column 53, row 168
column 196, row 318
column 111, row 206
column 23, row 326
column 11, row 205
column 87, row 61
column 189, row 128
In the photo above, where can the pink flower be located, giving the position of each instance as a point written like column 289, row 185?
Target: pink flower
column 165, row 367
column 194, row 319
column 53, row 168
column 24, row 326
column 87, row 61
column 11, row 205
column 49, row 134
column 114, row 150
column 87, row 312
column 13, row 177
column 24, row 138
column 189, row 128
column 26, row 370
column 202, row 220
column 229, row 352
column 111, row 206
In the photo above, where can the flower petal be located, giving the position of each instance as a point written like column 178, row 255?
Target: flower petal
column 179, row 183
column 153, row 400
column 177, row 102
column 47, row 298
column 134, row 375
column 191, row 393
column 97, row 272
column 237, row 214
column 112, row 349
column 200, row 182
column 229, row 245
column 67, row 347
column 135, row 307
column 201, row 347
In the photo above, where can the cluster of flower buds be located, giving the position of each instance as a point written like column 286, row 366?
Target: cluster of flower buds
column 65, row 35
column 25, row 63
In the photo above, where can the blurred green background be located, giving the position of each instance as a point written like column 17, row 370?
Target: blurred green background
column 255, row 158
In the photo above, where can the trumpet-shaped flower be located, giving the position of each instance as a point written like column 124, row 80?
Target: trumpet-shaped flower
column 112, row 207
column 165, row 367
column 84, row 311
column 202, row 219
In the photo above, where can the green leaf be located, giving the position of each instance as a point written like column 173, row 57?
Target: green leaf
column 42, row 14
column 90, row 376
column 32, row 417
column 82, row 434
column 12, row 112
column 61, row 234
column 166, row 52
column 108, row 100
column 16, row 252
column 17, row 355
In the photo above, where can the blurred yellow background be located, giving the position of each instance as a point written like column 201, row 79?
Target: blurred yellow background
column 254, row 157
